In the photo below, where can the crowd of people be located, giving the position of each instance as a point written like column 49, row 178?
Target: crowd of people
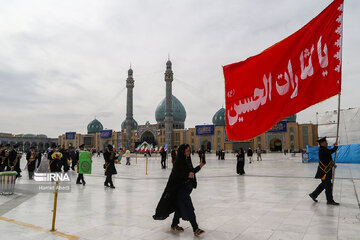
column 182, row 180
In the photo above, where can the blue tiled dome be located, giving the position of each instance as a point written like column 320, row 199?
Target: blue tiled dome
column 134, row 125
column 219, row 118
column 94, row 126
column 178, row 109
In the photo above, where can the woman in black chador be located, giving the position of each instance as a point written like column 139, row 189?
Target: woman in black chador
column 110, row 157
column 176, row 197
column 240, row 162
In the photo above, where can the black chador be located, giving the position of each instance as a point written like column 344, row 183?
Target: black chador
column 109, row 166
column 240, row 157
column 324, row 172
column 31, row 158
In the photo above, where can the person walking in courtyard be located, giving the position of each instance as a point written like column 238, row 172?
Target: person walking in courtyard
column 258, row 154
column 110, row 157
column 80, row 179
column 163, row 154
column 14, row 160
column 250, row 154
column 223, row 154
column 240, row 157
column 31, row 158
column 176, row 197
column 64, row 160
column 201, row 153
column 324, row 172
column 127, row 156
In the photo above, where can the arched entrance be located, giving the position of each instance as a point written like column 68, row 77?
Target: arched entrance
column 205, row 144
column 41, row 146
column 148, row 137
column 275, row 145
column 105, row 144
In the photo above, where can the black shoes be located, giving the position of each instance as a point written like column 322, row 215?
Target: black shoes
column 106, row 184
column 198, row 232
column 313, row 197
column 112, row 186
column 333, row 203
column 84, row 183
column 78, row 182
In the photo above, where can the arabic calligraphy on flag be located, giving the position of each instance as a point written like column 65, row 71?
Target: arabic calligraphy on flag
column 297, row 72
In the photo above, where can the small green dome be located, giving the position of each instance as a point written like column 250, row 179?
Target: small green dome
column 134, row 125
column 41, row 136
column 94, row 126
column 178, row 109
column 219, row 118
column 29, row 135
column 291, row 118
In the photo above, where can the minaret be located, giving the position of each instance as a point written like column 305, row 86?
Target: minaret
column 129, row 107
column 168, row 106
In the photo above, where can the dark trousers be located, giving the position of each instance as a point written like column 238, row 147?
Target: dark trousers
column 64, row 163
column 163, row 162
column 176, row 221
column 80, row 178
column 31, row 174
column 109, row 180
column 325, row 184
column 73, row 164
column 240, row 166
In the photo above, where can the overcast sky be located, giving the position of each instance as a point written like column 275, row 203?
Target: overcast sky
column 64, row 62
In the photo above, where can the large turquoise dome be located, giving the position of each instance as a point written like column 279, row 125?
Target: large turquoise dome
column 179, row 113
column 219, row 118
column 134, row 125
column 94, row 126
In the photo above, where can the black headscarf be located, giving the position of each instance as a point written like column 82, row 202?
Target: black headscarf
column 181, row 152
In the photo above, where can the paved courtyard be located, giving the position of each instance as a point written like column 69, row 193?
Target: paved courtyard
column 269, row 202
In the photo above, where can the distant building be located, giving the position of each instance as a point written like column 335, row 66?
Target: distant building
column 25, row 141
column 170, row 130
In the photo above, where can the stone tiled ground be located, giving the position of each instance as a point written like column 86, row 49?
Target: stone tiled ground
column 269, row 202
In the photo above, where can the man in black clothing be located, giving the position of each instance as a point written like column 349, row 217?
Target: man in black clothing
column 324, row 172
column 31, row 157
column 14, row 160
column 72, row 157
column 250, row 154
column 64, row 160
column 163, row 159
column 3, row 158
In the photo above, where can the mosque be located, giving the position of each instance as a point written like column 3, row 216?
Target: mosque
column 170, row 130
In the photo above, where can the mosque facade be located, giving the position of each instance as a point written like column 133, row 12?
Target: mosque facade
column 169, row 129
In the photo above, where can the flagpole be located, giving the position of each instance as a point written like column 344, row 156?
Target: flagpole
column 336, row 141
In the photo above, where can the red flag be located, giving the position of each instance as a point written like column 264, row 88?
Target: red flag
column 297, row 72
